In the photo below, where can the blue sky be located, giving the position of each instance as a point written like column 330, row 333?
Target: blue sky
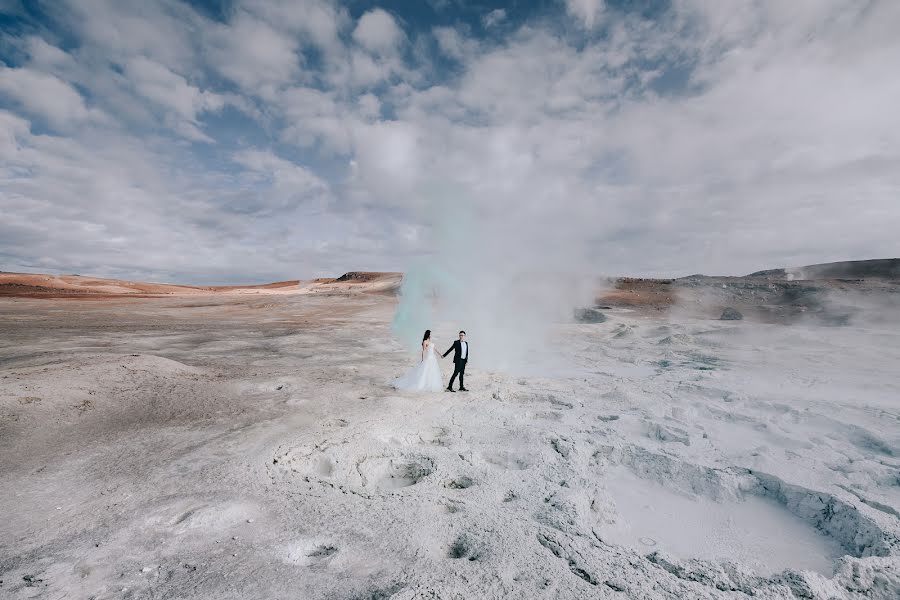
column 255, row 140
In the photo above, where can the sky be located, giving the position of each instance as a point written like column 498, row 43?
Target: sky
column 259, row 140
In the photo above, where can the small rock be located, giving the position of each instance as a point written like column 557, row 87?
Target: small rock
column 249, row 520
column 589, row 315
column 460, row 484
column 146, row 569
column 730, row 314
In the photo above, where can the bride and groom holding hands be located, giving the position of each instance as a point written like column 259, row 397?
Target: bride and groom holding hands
column 426, row 376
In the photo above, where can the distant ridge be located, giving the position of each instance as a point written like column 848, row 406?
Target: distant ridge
column 42, row 285
column 881, row 268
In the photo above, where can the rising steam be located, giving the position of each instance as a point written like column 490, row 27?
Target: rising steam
column 500, row 276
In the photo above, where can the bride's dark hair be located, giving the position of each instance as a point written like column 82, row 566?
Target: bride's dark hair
column 427, row 335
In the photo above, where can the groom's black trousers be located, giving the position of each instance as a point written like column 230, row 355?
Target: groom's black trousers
column 459, row 370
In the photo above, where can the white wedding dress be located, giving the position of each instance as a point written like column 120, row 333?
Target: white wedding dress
column 424, row 377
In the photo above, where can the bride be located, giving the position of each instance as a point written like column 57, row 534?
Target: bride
column 425, row 376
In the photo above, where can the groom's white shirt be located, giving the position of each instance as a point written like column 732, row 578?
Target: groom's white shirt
column 465, row 350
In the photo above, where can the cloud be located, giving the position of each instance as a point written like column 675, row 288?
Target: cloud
column 378, row 32
column 123, row 208
column 45, row 55
column 494, row 17
column 46, row 96
column 173, row 93
column 314, row 117
column 319, row 22
column 162, row 31
column 388, row 156
column 713, row 167
column 291, row 184
column 452, row 43
column 701, row 137
column 586, row 11
column 11, row 127
column 253, row 54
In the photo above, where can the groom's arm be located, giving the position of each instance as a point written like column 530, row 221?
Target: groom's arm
column 450, row 350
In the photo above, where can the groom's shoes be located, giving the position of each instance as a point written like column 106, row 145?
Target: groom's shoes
column 463, row 389
column 450, row 389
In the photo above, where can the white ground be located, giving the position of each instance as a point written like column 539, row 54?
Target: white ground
column 250, row 448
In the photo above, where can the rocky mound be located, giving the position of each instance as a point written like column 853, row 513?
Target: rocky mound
column 364, row 276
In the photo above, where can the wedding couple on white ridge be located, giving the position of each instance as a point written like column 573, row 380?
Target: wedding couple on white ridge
column 426, row 376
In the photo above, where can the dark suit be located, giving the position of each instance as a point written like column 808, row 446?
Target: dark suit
column 459, row 362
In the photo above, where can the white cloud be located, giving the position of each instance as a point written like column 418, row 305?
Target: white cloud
column 11, row 128
column 162, row 31
column 369, row 106
column 120, row 207
column 494, row 17
column 254, row 55
column 172, row 92
column 717, row 137
column 315, row 117
column 388, row 156
column 46, row 96
column 673, row 176
column 588, row 12
column 368, row 71
column 453, row 44
column 286, row 175
column 377, row 31
column 318, row 21
column 45, row 55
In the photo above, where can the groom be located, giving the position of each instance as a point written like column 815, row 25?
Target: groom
column 460, row 357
